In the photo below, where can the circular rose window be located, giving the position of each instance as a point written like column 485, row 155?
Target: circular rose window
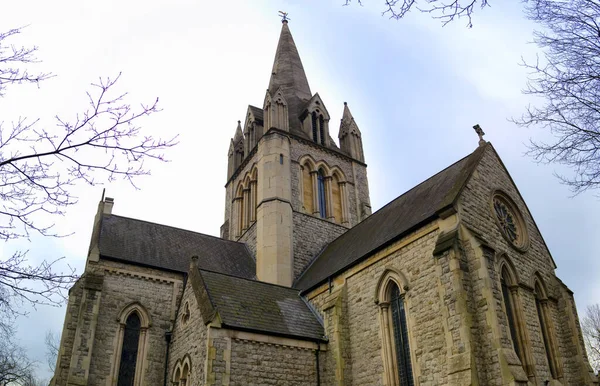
column 509, row 221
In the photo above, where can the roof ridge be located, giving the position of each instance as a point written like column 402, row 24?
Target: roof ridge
column 174, row 227
column 253, row 280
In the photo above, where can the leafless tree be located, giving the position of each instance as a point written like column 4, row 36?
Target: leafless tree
column 567, row 80
column 591, row 334
column 52, row 347
column 40, row 164
column 15, row 367
column 446, row 11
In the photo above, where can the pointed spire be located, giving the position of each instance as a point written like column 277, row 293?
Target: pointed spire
column 238, row 133
column 350, row 137
column 288, row 74
column 347, row 123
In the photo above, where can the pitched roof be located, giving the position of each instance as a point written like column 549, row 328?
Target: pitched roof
column 261, row 307
column 257, row 112
column 288, row 74
column 402, row 215
column 160, row 246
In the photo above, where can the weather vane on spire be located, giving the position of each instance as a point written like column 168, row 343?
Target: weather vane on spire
column 283, row 16
column 480, row 133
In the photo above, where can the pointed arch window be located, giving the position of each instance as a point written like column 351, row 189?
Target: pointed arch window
column 509, row 306
column 541, row 305
column 130, row 355
column 401, row 344
column 314, row 127
column 321, row 192
column 397, row 361
column 131, row 341
column 322, row 129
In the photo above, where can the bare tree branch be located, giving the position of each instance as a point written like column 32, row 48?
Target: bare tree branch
column 567, row 79
column 445, row 11
column 590, row 326
column 40, row 164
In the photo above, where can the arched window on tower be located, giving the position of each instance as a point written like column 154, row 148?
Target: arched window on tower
column 322, row 129
column 307, row 189
column 314, row 127
column 336, row 196
column 322, row 194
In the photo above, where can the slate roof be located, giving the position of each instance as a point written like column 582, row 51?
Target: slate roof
column 262, row 307
column 160, row 246
column 257, row 112
column 404, row 214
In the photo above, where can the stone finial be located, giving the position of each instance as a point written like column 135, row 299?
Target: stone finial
column 108, row 205
column 480, row 133
column 194, row 261
column 238, row 133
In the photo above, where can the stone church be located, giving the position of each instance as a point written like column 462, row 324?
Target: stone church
column 451, row 283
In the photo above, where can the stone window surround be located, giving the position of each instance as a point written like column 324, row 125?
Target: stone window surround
column 182, row 372
column 547, row 328
column 523, row 244
column 329, row 173
column 245, row 201
column 388, row 351
column 146, row 323
column 523, row 340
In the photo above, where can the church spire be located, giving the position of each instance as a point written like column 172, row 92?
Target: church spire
column 288, row 74
column 350, row 136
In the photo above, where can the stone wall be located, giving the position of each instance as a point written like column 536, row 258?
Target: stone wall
column 475, row 211
column 257, row 363
column 68, row 334
column 311, row 234
column 157, row 291
column 189, row 338
column 361, row 337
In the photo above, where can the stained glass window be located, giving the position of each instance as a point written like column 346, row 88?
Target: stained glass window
column 129, row 351
column 401, row 338
column 543, row 327
column 322, row 201
column 508, row 224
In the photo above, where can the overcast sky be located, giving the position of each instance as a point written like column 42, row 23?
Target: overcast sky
column 415, row 89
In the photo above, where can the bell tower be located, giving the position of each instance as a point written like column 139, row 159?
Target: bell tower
column 290, row 188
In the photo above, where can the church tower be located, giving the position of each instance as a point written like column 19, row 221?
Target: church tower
column 290, row 189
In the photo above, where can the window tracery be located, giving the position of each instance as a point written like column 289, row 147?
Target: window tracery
column 323, row 191
column 509, row 221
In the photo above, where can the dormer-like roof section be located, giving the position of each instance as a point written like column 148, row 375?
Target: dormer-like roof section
column 288, row 74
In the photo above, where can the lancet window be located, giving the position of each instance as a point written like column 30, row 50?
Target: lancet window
column 545, row 320
column 324, row 192
column 131, row 346
column 390, row 296
column 514, row 317
column 182, row 372
column 245, row 202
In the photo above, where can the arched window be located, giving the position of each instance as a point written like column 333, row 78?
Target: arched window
column 129, row 352
column 390, row 296
column 505, row 281
column 336, row 196
column 240, row 209
column 321, row 192
column 182, row 372
column 307, row 189
column 402, row 348
column 516, row 320
column 130, row 355
column 541, row 305
column 322, row 129
column 314, row 127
